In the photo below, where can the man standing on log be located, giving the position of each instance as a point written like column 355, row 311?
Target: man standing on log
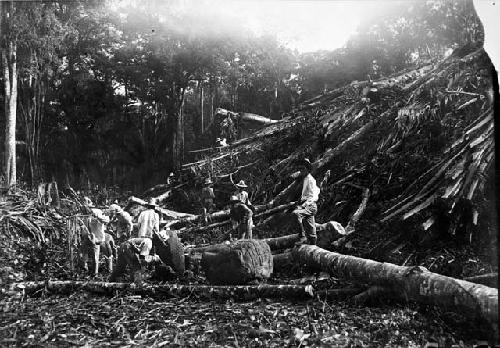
column 306, row 210
column 241, row 218
column 242, row 194
column 123, row 222
column 207, row 198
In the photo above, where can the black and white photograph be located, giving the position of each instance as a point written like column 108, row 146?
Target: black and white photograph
column 249, row 173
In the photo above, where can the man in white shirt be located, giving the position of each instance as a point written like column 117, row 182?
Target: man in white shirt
column 136, row 251
column 306, row 210
column 148, row 223
column 96, row 224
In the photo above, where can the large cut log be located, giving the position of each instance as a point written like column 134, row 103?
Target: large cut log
column 170, row 249
column 169, row 290
column 165, row 212
column 238, row 263
column 414, row 283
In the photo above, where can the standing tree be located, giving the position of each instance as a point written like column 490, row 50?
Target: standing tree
column 9, row 61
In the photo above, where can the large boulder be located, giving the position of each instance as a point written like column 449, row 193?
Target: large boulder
column 238, row 263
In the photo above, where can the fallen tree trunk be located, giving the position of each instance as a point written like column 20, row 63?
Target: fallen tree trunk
column 327, row 232
column 488, row 279
column 169, row 290
column 203, row 162
column 260, row 210
column 248, row 117
column 415, row 283
column 166, row 212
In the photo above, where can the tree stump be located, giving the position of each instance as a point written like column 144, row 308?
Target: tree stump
column 238, row 263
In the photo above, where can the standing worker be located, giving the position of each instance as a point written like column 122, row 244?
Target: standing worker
column 207, row 198
column 123, row 222
column 306, row 210
column 242, row 195
column 96, row 225
column 241, row 218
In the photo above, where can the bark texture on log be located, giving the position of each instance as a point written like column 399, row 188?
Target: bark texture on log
column 416, row 283
column 238, row 263
column 170, row 250
column 170, row 290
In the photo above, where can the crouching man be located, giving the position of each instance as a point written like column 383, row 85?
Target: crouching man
column 136, row 252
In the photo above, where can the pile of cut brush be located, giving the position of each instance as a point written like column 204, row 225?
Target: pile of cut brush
column 420, row 141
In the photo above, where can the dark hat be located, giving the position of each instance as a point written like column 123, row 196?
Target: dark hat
column 152, row 203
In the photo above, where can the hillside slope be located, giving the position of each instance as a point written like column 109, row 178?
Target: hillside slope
column 421, row 141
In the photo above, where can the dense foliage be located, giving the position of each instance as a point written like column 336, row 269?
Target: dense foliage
column 116, row 95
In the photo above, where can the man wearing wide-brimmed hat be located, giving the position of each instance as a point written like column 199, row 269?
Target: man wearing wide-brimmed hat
column 135, row 252
column 207, row 198
column 241, row 218
column 306, row 210
column 123, row 222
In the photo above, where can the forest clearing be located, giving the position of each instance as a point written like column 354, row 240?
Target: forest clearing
column 173, row 180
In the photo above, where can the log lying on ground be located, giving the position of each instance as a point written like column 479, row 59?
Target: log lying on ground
column 488, row 279
column 166, row 212
column 414, row 283
column 260, row 211
column 238, row 263
column 169, row 290
column 327, row 232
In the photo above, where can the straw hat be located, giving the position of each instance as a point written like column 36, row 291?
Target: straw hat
column 208, row 181
column 115, row 208
column 241, row 184
column 233, row 199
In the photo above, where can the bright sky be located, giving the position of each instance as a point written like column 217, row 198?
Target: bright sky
column 305, row 25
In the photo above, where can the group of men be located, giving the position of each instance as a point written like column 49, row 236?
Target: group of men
column 242, row 210
column 134, row 251
column 95, row 238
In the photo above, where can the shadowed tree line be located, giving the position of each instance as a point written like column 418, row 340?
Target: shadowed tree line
column 117, row 96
